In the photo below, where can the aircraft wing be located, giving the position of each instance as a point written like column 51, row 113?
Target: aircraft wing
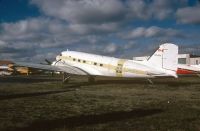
column 67, row 68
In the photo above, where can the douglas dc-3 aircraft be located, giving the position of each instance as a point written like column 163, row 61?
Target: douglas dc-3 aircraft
column 162, row 63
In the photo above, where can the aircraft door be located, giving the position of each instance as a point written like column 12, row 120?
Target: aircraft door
column 119, row 67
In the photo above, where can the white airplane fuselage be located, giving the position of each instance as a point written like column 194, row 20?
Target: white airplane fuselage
column 98, row 65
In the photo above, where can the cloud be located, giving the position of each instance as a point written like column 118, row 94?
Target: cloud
column 26, row 37
column 84, row 29
column 38, row 36
column 190, row 48
column 2, row 43
column 162, row 9
column 150, row 32
column 111, row 48
column 107, row 11
column 83, row 11
column 189, row 15
column 156, row 9
column 95, row 26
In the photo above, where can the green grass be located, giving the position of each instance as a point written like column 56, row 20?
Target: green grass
column 107, row 104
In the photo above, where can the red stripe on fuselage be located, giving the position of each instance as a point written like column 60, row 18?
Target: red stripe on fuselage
column 184, row 72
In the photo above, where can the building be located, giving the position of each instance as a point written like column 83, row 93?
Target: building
column 194, row 60
column 182, row 59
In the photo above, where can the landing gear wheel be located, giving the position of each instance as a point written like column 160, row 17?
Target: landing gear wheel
column 66, row 78
column 150, row 81
column 91, row 79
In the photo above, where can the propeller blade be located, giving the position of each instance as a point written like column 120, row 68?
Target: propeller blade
column 48, row 62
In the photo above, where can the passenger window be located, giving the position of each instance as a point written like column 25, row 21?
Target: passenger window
column 84, row 61
column 101, row 64
column 95, row 63
column 74, row 59
column 79, row 60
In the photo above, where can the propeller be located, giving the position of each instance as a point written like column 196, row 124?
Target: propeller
column 48, row 62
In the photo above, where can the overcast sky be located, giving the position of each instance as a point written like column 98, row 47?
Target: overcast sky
column 32, row 30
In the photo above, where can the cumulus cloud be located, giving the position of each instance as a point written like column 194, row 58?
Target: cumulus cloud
column 2, row 43
column 152, row 31
column 162, row 9
column 45, row 32
column 37, row 36
column 104, row 11
column 190, row 48
column 84, row 29
column 111, row 48
column 142, row 9
column 83, row 11
column 156, row 9
column 189, row 15
column 93, row 26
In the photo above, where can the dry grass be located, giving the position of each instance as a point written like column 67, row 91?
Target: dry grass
column 37, row 103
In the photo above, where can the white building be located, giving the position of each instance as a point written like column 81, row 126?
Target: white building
column 194, row 60
column 182, row 59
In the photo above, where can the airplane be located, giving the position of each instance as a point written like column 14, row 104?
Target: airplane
column 8, row 68
column 163, row 63
column 3, row 67
column 197, row 66
column 188, row 69
column 5, row 70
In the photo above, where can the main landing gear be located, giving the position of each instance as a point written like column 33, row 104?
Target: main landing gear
column 66, row 78
column 150, row 81
column 91, row 79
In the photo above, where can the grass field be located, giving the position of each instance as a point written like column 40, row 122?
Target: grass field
column 44, row 103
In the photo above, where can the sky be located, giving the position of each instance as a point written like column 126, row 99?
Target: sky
column 34, row 30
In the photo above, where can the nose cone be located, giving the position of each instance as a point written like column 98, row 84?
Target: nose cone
column 53, row 63
column 58, row 57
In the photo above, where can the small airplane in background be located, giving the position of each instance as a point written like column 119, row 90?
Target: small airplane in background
column 196, row 66
column 188, row 69
column 163, row 63
column 4, row 70
column 8, row 68
column 4, row 67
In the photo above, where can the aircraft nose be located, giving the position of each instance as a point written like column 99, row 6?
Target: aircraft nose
column 58, row 58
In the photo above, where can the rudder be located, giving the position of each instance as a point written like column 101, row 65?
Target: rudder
column 166, row 57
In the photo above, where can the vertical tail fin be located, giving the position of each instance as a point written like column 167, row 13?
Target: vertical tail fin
column 166, row 57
